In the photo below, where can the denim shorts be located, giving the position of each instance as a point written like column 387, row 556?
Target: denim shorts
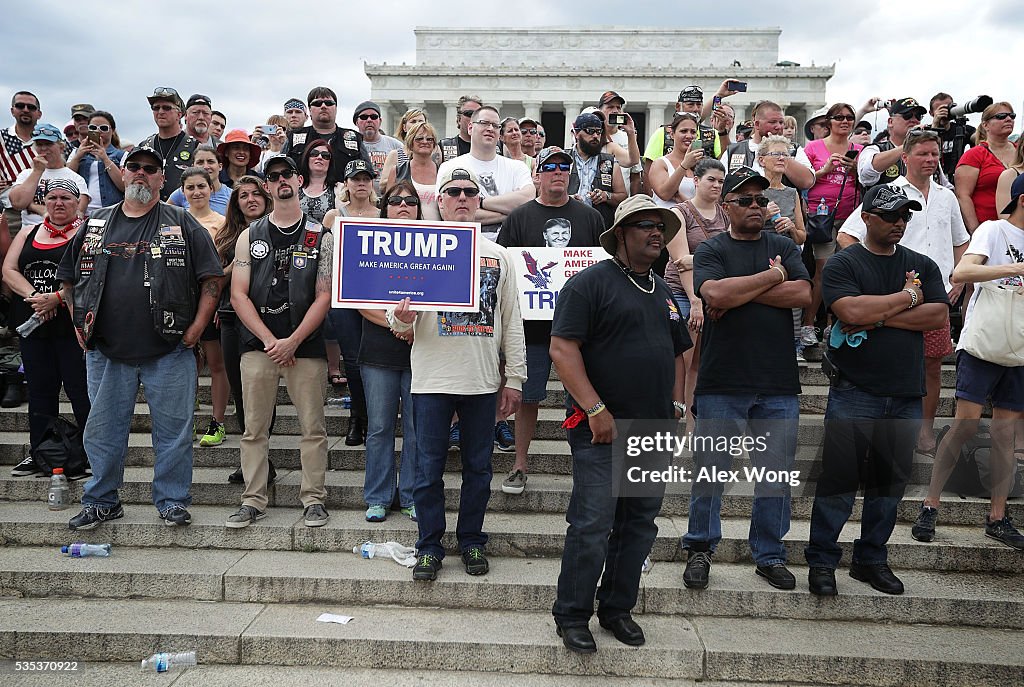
column 538, row 369
column 979, row 381
column 684, row 305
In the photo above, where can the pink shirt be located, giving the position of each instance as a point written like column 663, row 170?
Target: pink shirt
column 828, row 186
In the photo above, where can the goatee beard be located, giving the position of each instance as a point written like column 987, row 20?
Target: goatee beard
column 138, row 194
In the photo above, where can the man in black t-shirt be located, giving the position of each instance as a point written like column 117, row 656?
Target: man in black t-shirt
column 748, row 383
column 617, row 342
column 884, row 296
column 552, row 219
column 281, row 292
column 346, row 144
column 145, row 279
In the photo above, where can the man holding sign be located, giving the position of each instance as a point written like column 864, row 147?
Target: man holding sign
column 454, row 362
column 553, row 219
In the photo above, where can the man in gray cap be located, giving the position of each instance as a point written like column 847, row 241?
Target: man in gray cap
column 367, row 118
column 617, row 342
column 174, row 145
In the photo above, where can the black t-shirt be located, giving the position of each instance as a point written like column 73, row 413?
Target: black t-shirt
column 380, row 348
column 953, row 149
column 534, row 224
column 630, row 339
column 750, row 349
column 890, row 362
column 38, row 264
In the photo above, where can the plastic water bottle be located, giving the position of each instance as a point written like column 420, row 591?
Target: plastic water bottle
column 59, row 495
column 822, row 208
column 369, row 550
column 29, row 325
column 80, row 549
column 162, row 662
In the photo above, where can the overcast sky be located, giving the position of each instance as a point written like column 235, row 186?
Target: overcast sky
column 250, row 57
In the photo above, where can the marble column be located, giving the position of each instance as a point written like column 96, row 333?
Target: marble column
column 532, row 110
column 451, row 120
column 388, row 118
column 655, row 120
column 572, row 109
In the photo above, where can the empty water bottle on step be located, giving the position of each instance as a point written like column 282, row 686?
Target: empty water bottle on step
column 58, row 496
column 80, row 549
column 403, row 555
column 162, row 662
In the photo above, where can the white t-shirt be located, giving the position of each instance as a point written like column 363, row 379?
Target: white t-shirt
column 1002, row 244
column 497, row 177
column 622, row 138
column 29, row 219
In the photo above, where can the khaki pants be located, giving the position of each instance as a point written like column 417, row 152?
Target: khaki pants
column 305, row 381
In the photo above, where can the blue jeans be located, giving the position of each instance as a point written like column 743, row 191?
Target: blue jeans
column 170, row 382
column 613, row 534
column 384, row 389
column 433, row 413
column 348, row 327
column 868, row 439
column 755, row 415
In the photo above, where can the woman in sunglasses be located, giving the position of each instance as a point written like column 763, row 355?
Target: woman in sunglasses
column 1007, row 178
column 96, row 157
column 978, row 171
column 420, row 168
column 320, row 189
column 672, row 178
column 408, row 121
column 239, row 155
column 387, row 375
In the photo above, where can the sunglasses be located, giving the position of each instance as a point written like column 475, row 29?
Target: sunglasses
column 553, row 166
column 910, row 115
column 647, row 225
column 148, row 169
column 894, row 217
column 459, row 190
column 1004, row 115
column 277, row 176
column 26, row 106
column 373, row 116
column 747, row 201
column 323, row 102
column 592, row 130
column 99, row 127
column 467, row 113
column 325, row 154
column 529, row 132
column 165, row 92
column 843, row 118
column 489, row 125
column 424, row 139
column 411, row 201
column 163, row 107
column 923, row 133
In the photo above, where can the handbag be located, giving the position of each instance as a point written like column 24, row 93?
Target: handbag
column 995, row 330
column 61, row 447
column 820, row 228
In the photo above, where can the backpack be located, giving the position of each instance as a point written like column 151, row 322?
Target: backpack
column 61, row 447
column 971, row 474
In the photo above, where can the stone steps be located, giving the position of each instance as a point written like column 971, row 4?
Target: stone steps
column 703, row 648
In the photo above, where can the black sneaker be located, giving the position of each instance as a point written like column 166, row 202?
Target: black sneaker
column 94, row 515
column 778, row 575
column 1004, row 531
column 27, row 468
column 698, row 570
column 176, row 516
column 426, row 568
column 476, row 561
column 82, row 474
column 924, row 527
column 237, row 478
column 880, row 576
column 504, row 437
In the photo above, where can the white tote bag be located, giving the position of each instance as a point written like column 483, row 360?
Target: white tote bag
column 995, row 330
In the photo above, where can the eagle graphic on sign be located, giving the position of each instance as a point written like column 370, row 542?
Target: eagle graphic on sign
column 539, row 277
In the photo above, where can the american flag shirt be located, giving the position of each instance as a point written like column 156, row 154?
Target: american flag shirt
column 15, row 156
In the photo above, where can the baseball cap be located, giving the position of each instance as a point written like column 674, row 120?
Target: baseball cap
column 142, row 150
column 609, row 96
column 691, row 94
column 633, row 205
column 550, row 152
column 528, row 119
column 166, row 93
column 887, row 198
column 907, row 106
column 199, row 99
column 863, row 125
column 359, row 166
column 46, row 132
column 83, row 109
column 457, row 174
column 1016, row 190
column 283, row 159
column 587, row 120
column 365, row 105
column 743, row 175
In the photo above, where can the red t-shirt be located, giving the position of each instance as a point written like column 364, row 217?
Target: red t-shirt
column 989, row 168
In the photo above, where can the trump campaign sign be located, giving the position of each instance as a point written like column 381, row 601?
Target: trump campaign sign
column 378, row 262
column 542, row 272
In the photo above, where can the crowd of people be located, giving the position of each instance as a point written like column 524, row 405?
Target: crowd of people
column 736, row 250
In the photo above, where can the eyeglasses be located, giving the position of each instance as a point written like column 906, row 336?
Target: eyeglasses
column 323, row 102
column 411, row 201
column 467, row 113
column 747, row 201
column 163, row 107
column 1004, row 115
column 552, row 166
column 277, row 176
column 148, row 169
column 26, row 106
column 592, row 130
column 894, row 217
column 647, row 225
column 843, row 118
column 778, row 153
column 324, row 154
column 372, row 116
column 489, row 125
column 457, row 191
column 529, row 132
column 424, row 139
column 99, row 127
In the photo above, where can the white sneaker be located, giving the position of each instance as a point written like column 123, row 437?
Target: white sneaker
column 808, row 336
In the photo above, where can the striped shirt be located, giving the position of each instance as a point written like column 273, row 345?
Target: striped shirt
column 15, row 157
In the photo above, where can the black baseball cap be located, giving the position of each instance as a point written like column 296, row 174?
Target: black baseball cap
column 359, row 166
column 199, row 99
column 550, row 152
column 743, row 175
column 906, row 106
column 283, row 159
column 691, row 94
column 887, row 198
column 142, row 150
column 609, row 96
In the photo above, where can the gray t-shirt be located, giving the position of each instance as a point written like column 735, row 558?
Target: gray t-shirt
column 378, row 151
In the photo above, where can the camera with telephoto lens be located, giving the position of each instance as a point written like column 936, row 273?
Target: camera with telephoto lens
column 975, row 105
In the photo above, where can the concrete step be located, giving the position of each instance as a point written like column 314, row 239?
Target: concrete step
column 544, row 494
column 704, row 648
column 514, row 584
column 956, row 547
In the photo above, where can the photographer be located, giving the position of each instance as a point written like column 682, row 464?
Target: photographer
column 954, row 132
column 881, row 163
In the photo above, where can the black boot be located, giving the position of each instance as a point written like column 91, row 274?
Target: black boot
column 13, row 394
column 356, row 431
